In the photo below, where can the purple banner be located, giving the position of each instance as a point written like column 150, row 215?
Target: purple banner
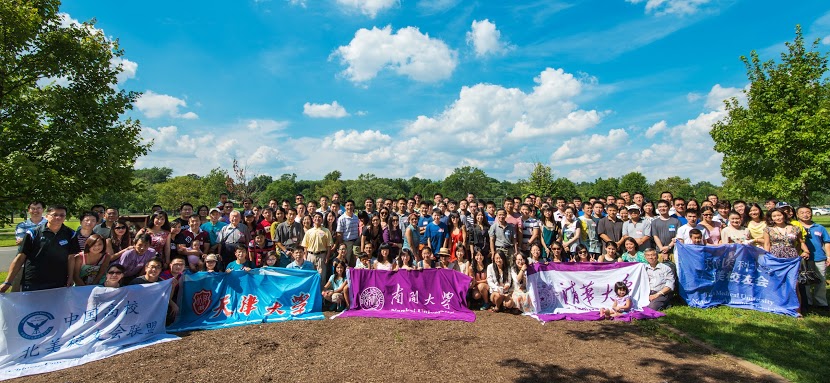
column 418, row 294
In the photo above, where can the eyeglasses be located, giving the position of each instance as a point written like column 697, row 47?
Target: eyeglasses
column 707, row 215
column 114, row 273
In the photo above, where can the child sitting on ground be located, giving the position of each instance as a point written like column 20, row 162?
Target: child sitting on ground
column 334, row 289
column 622, row 302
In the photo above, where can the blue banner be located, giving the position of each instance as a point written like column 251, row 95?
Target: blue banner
column 739, row 276
column 217, row 300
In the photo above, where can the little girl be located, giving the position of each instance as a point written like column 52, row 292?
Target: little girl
column 210, row 263
column 622, row 302
column 334, row 289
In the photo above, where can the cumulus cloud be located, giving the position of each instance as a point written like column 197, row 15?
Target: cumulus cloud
column 486, row 39
column 155, row 105
column 301, row 3
column 407, row 52
column 655, row 129
column 367, row 7
column 493, row 113
column 354, row 141
column 333, row 110
column 678, row 7
column 572, row 151
column 716, row 96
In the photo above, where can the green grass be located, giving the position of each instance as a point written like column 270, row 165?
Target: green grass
column 7, row 232
column 796, row 349
column 823, row 220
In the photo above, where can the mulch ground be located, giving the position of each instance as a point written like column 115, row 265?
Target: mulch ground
column 496, row 348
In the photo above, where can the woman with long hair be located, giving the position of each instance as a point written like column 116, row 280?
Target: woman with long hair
column 87, row 267
column 158, row 227
column 649, row 212
column 411, row 237
column 571, row 230
column 498, row 279
column 550, row 231
column 202, row 212
column 784, row 240
column 480, row 287
column 707, row 213
column 120, row 239
column 518, row 274
column 458, row 234
column 373, row 234
column 393, row 236
column 756, row 224
column 479, row 234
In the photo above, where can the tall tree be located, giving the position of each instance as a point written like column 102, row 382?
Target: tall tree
column 634, row 182
column 466, row 179
column 540, row 181
column 779, row 139
column 61, row 132
column 679, row 187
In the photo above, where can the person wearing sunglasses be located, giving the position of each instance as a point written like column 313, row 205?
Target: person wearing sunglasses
column 44, row 254
column 114, row 276
column 120, row 239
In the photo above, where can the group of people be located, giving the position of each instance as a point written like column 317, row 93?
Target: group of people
column 493, row 245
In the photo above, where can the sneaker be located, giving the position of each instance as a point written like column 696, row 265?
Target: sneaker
column 485, row 307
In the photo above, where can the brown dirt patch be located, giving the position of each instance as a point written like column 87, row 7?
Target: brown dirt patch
column 496, row 348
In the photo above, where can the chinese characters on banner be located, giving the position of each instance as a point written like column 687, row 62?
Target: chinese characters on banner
column 422, row 294
column 577, row 291
column 54, row 329
column 739, row 276
column 218, row 300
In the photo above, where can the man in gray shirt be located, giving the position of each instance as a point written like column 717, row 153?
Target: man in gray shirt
column 663, row 230
column 610, row 228
column 503, row 236
column 289, row 234
column 638, row 229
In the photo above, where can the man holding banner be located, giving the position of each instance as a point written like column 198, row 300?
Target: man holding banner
column 44, row 254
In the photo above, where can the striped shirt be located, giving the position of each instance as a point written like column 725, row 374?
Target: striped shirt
column 348, row 227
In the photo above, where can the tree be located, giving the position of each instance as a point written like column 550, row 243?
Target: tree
column 154, row 175
column 540, row 181
column 61, row 132
column 779, row 139
column 178, row 190
column 466, row 179
column 634, row 182
column 679, row 187
column 563, row 187
column 605, row 187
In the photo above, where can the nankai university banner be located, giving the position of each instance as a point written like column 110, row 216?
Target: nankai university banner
column 409, row 294
column 577, row 291
column 54, row 329
column 218, row 300
column 737, row 275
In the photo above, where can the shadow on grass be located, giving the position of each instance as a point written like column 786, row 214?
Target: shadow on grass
column 535, row 372
column 796, row 349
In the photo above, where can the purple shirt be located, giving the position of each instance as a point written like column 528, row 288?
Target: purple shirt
column 134, row 263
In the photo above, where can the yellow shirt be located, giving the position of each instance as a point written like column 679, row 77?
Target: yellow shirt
column 316, row 240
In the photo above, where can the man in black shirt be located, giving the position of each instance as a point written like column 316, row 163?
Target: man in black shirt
column 44, row 254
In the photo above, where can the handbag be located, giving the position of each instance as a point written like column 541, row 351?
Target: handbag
column 806, row 276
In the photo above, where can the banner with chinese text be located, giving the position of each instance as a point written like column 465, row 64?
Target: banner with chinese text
column 217, row 300
column 577, row 291
column 50, row 330
column 739, row 276
column 417, row 294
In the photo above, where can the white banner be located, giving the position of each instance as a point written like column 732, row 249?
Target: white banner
column 54, row 329
column 574, row 288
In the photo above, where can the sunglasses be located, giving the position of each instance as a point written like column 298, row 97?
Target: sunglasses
column 120, row 228
column 114, row 273
column 582, row 252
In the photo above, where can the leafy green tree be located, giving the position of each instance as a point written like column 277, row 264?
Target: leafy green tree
column 466, row 179
column 61, row 132
column 779, row 139
column 540, row 181
column 154, row 175
column 563, row 187
column 634, row 182
column 702, row 189
column 177, row 190
column 604, row 187
column 280, row 189
column 679, row 187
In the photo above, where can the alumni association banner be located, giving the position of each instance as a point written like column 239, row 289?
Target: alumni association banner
column 217, row 300
column 409, row 294
column 739, row 276
column 577, row 291
column 50, row 330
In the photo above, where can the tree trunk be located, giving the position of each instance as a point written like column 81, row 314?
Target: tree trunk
column 804, row 198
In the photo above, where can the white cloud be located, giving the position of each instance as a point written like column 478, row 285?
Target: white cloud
column 656, row 128
column 367, row 7
column 354, row 141
column 571, row 151
column 486, row 39
column 436, row 6
column 128, row 68
column 693, row 97
column 333, row 110
column 679, row 7
column 155, row 105
column 826, row 40
column 301, row 3
column 265, row 155
column 714, row 100
column 407, row 52
column 495, row 114
column 264, row 126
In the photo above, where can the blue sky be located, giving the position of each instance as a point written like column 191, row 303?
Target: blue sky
column 418, row 88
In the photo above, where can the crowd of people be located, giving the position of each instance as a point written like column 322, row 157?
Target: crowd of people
column 494, row 245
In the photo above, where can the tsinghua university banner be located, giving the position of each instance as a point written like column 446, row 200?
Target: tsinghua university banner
column 54, row 329
column 577, row 291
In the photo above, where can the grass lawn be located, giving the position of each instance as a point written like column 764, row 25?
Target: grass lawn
column 796, row 349
column 7, row 232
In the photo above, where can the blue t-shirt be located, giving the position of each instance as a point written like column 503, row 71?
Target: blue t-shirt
column 682, row 219
column 423, row 221
column 436, row 234
column 212, row 230
column 305, row 266
column 817, row 236
column 235, row 266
